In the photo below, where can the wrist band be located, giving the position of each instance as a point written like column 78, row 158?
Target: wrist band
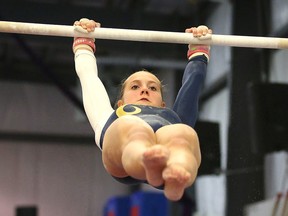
column 84, row 41
column 198, row 49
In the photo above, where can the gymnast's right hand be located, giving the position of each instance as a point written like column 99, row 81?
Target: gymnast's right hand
column 85, row 25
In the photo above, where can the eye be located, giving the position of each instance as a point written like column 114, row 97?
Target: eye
column 134, row 87
column 153, row 88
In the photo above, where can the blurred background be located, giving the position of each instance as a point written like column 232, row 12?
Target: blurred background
column 49, row 163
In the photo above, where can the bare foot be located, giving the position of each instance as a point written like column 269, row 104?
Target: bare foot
column 154, row 160
column 176, row 180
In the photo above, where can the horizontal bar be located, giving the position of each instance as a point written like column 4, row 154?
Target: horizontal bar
column 144, row 35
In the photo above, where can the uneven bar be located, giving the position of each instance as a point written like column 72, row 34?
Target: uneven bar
column 144, row 35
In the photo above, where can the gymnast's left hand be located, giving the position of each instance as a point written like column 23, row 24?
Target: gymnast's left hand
column 201, row 32
column 85, row 25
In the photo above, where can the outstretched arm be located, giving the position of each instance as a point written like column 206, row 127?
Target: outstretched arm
column 95, row 98
column 186, row 104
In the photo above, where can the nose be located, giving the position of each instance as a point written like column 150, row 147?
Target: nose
column 144, row 90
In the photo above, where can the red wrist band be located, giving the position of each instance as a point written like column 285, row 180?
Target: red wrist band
column 86, row 41
column 196, row 49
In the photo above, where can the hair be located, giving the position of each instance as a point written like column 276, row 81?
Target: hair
column 123, row 85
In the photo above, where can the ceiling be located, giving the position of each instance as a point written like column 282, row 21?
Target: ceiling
column 50, row 60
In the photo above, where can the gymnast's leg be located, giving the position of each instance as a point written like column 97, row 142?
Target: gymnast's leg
column 124, row 146
column 184, row 160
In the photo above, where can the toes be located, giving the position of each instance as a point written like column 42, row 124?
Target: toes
column 176, row 179
column 156, row 155
column 154, row 161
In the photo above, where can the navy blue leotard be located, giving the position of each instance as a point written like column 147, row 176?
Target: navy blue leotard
column 185, row 109
column 186, row 103
column 156, row 117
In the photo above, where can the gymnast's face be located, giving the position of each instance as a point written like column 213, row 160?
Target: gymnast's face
column 142, row 88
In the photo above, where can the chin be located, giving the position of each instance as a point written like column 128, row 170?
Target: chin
column 148, row 104
column 145, row 103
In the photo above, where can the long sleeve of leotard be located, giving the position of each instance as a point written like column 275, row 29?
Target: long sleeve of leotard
column 95, row 98
column 186, row 103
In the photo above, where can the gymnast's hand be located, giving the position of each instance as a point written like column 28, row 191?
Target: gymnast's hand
column 202, row 32
column 85, row 25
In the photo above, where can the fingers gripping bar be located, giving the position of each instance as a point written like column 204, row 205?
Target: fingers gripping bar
column 144, row 35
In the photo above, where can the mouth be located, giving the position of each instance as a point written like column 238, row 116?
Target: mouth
column 144, row 99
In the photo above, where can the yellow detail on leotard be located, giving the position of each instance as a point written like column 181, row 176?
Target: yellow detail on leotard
column 121, row 112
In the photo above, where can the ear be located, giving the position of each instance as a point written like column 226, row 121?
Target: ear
column 163, row 104
column 120, row 103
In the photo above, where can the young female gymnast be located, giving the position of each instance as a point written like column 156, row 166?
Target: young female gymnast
column 142, row 140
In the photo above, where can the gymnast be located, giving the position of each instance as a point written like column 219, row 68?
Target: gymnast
column 142, row 141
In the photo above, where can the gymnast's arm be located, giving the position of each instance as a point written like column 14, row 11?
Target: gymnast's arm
column 186, row 103
column 95, row 98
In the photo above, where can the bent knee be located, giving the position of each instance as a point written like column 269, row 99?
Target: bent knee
column 179, row 135
column 177, row 131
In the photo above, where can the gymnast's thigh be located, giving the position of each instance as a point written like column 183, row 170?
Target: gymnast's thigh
column 125, row 126
column 174, row 132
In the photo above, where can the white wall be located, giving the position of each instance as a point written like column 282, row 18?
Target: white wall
column 60, row 179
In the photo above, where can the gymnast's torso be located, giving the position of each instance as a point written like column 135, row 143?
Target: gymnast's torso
column 156, row 117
